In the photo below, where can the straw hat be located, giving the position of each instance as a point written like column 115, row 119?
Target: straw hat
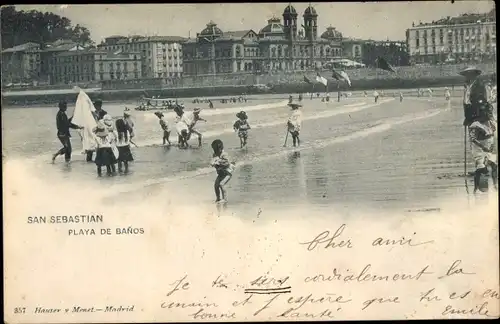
column 470, row 70
column 196, row 110
column 242, row 115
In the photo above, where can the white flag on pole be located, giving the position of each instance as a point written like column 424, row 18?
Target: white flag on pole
column 344, row 76
column 322, row 80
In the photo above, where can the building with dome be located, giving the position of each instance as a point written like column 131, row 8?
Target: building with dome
column 281, row 45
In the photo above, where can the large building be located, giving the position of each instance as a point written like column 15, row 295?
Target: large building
column 279, row 46
column 463, row 38
column 161, row 55
column 89, row 65
column 21, row 63
column 48, row 57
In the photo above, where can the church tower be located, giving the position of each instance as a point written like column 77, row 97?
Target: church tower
column 290, row 22
column 310, row 23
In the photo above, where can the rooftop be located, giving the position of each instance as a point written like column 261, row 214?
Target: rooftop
column 467, row 18
column 145, row 39
column 62, row 47
column 238, row 33
column 22, row 48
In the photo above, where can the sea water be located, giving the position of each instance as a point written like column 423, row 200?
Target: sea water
column 354, row 155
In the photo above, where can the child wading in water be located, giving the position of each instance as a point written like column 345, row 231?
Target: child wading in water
column 182, row 128
column 123, row 145
column 294, row 124
column 224, row 170
column 242, row 127
column 191, row 119
column 164, row 126
column 104, row 155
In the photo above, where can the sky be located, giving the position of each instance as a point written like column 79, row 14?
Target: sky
column 378, row 21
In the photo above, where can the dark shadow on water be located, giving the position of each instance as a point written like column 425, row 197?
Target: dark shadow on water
column 292, row 157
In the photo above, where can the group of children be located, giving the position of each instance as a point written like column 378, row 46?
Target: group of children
column 113, row 144
column 185, row 123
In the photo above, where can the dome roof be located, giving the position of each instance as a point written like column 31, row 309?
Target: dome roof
column 211, row 30
column 310, row 11
column 274, row 26
column 290, row 10
column 331, row 33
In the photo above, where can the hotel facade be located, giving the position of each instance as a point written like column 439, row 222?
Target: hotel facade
column 279, row 46
column 161, row 55
column 464, row 38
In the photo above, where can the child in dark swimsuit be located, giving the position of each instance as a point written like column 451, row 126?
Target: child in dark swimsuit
column 123, row 145
column 242, row 127
column 104, row 155
column 224, row 170
column 164, row 127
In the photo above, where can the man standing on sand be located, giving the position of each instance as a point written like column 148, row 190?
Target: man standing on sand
column 63, row 125
column 475, row 95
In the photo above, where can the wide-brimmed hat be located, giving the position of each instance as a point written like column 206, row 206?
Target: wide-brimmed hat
column 126, row 112
column 159, row 113
column 108, row 120
column 242, row 115
column 196, row 110
column 470, row 70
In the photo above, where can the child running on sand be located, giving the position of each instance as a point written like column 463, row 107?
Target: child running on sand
column 164, row 127
column 241, row 126
column 123, row 145
column 224, row 168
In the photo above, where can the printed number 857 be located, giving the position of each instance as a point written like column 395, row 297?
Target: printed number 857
column 20, row 310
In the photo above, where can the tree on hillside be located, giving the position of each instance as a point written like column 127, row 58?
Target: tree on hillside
column 19, row 27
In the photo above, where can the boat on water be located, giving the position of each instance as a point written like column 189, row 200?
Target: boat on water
column 146, row 104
